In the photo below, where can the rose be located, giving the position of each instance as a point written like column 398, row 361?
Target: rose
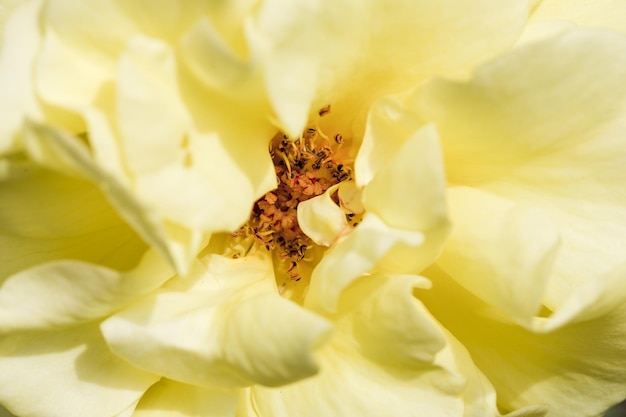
column 176, row 335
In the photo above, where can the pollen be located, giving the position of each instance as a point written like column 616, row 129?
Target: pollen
column 305, row 167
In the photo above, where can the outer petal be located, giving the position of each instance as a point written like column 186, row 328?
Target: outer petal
column 63, row 293
column 169, row 398
column 72, row 373
column 230, row 329
column 57, row 150
column 530, row 129
column 577, row 370
column 393, row 46
column 379, row 362
column 20, row 43
column 502, row 252
column 46, row 216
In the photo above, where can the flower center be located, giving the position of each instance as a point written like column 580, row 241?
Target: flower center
column 305, row 168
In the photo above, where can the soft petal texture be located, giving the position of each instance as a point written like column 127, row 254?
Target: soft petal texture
column 605, row 14
column 21, row 40
column 576, row 370
column 393, row 376
column 353, row 256
column 321, row 219
column 169, row 398
column 229, row 329
column 45, row 216
column 304, row 58
column 64, row 292
column 409, row 190
column 516, row 132
column 57, row 150
column 72, row 372
column 493, row 237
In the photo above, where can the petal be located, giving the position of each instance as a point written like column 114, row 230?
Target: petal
column 511, row 132
column 219, row 334
column 605, row 14
column 321, row 219
column 50, row 295
column 409, row 191
column 71, row 373
column 307, row 65
column 380, row 393
column 61, row 152
column 502, row 252
column 391, row 326
column 576, row 370
column 21, row 38
column 45, row 216
column 350, row 258
column 169, row 398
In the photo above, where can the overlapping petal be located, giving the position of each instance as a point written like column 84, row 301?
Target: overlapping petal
column 402, row 43
column 515, row 132
column 72, row 372
column 575, row 370
column 229, row 329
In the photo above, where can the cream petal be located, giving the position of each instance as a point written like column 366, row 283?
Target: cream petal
column 350, row 385
column 518, row 131
column 321, row 219
column 63, row 293
column 307, row 65
column 220, row 334
column 502, row 252
column 71, row 372
column 57, row 150
column 576, row 370
column 389, row 125
column 409, row 190
column 169, row 398
column 21, row 38
column 46, row 216
column 391, row 326
column 604, row 14
column 352, row 257
column 150, row 114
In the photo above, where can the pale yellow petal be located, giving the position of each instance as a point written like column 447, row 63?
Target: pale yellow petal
column 603, row 14
column 169, row 398
column 71, row 373
column 392, row 46
column 533, row 131
column 502, row 252
column 321, row 219
column 390, row 325
column 21, row 39
column 409, row 190
column 61, row 152
column 63, row 293
column 218, row 334
column 577, row 370
column 350, row 258
column 46, row 216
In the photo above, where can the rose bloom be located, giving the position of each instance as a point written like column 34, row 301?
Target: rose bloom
column 297, row 208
